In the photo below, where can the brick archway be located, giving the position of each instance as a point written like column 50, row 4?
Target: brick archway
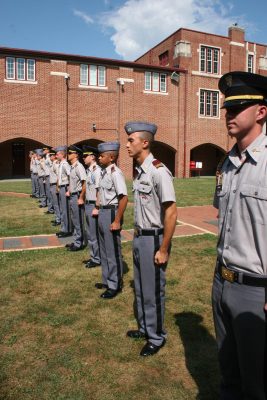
column 210, row 156
column 14, row 161
column 164, row 153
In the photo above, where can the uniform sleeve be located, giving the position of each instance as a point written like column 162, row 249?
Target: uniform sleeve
column 67, row 168
column 81, row 172
column 97, row 175
column 119, row 183
column 164, row 185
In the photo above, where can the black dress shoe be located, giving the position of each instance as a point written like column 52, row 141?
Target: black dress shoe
column 99, row 285
column 74, row 248
column 63, row 234
column 91, row 264
column 109, row 294
column 49, row 212
column 136, row 334
column 55, row 223
column 69, row 245
column 150, row 349
column 40, row 206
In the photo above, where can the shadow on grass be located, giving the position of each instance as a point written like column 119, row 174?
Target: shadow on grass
column 200, row 354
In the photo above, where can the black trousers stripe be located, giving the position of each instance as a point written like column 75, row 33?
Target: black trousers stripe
column 116, row 247
column 157, row 288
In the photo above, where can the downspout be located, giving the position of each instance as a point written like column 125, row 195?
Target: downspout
column 185, row 124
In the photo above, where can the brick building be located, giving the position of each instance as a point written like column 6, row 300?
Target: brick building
column 52, row 98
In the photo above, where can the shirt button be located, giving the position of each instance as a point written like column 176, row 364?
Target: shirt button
column 227, row 247
column 230, row 210
column 234, row 190
column 228, row 229
column 256, row 193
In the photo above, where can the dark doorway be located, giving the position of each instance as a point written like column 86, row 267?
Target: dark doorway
column 164, row 153
column 209, row 155
column 18, row 159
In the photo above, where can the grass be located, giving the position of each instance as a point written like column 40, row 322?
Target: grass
column 59, row 340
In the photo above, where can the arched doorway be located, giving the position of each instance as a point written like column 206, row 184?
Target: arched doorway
column 14, row 161
column 210, row 156
column 164, row 153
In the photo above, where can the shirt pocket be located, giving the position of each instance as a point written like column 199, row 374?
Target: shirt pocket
column 253, row 203
column 145, row 193
column 222, row 201
column 107, row 184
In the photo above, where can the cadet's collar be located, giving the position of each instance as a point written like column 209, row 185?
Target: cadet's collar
column 147, row 162
column 256, row 148
column 92, row 166
column 108, row 168
column 74, row 165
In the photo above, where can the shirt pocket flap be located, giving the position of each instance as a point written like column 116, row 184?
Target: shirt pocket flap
column 254, row 191
column 107, row 184
column 221, row 193
column 144, row 188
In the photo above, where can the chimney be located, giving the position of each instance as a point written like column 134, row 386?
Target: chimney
column 236, row 33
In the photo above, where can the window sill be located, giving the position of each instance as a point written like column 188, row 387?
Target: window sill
column 207, row 117
column 157, row 93
column 19, row 81
column 199, row 73
column 93, row 87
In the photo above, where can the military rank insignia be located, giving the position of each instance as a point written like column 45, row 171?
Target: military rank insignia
column 219, row 180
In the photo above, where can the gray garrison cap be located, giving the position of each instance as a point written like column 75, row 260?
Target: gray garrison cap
column 108, row 146
column 61, row 148
column 140, row 126
column 39, row 152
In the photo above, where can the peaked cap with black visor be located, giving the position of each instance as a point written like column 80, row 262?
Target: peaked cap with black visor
column 243, row 88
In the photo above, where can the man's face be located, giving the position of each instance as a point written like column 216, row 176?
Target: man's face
column 105, row 159
column 72, row 156
column 241, row 119
column 89, row 159
column 134, row 145
column 60, row 155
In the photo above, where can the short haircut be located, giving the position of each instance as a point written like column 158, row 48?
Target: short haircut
column 145, row 135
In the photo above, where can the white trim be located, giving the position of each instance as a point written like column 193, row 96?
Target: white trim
column 151, row 92
column 237, row 44
column 93, row 87
column 198, row 73
column 64, row 74
column 128, row 80
column 20, row 81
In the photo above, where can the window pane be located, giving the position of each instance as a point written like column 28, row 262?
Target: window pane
column 31, row 70
column 10, row 68
column 202, row 59
column 162, row 82
column 216, row 61
column 209, row 62
column 214, row 104
column 21, row 68
column 202, row 103
column 101, row 76
column 93, row 75
column 84, row 74
column 155, row 83
column 147, row 80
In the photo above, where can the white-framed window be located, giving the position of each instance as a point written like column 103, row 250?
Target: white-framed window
column 155, row 82
column 250, row 63
column 209, row 60
column 21, row 69
column 92, row 75
column 208, row 103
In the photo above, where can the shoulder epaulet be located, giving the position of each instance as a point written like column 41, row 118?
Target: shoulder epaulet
column 157, row 163
column 221, row 162
column 112, row 169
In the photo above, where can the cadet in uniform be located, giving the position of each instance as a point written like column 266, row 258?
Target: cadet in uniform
column 53, row 177
column 62, row 187
column 240, row 284
column 93, row 173
column 76, row 194
column 111, row 200
column 31, row 153
column 46, row 150
column 35, row 175
column 40, row 165
column 155, row 217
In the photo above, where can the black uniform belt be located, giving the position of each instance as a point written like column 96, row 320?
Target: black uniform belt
column 109, row 206
column 52, row 184
column 240, row 277
column 75, row 193
column 89, row 202
column 148, row 232
column 35, row 173
column 64, row 185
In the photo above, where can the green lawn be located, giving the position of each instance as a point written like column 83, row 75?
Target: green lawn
column 59, row 340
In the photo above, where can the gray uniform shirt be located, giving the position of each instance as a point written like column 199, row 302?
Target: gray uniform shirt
column 152, row 186
column 54, row 168
column 93, row 175
column 47, row 164
column 34, row 166
column 63, row 172
column 242, row 204
column 77, row 175
column 111, row 185
column 40, row 167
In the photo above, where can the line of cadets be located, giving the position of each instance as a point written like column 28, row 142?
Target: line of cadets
column 98, row 195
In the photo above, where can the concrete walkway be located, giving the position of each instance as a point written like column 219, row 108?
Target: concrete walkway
column 196, row 220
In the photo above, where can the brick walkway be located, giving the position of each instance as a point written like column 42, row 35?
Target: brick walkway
column 192, row 221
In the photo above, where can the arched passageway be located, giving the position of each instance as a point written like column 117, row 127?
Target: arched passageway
column 164, row 153
column 210, row 156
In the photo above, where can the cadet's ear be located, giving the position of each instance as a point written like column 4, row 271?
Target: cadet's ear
column 262, row 112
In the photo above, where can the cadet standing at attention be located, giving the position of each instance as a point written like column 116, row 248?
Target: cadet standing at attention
column 46, row 150
column 93, row 173
column 62, row 187
column 76, row 193
column 35, row 175
column 53, row 176
column 111, row 201
column 40, row 165
column 155, row 217
column 239, row 293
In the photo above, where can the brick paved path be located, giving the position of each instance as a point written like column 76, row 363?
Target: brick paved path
column 192, row 221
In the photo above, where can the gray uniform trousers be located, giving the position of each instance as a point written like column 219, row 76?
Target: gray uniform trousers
column 240, row 325
column 64, row 209
column 36, row 185
column 33, row 184
column 92, row 233
column 55, row 200
column 77, row 218
column 149, row 283
column 48, row 194
column 42, row 195
column 110, row 250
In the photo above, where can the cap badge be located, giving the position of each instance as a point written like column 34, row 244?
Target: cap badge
column 229, row 80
